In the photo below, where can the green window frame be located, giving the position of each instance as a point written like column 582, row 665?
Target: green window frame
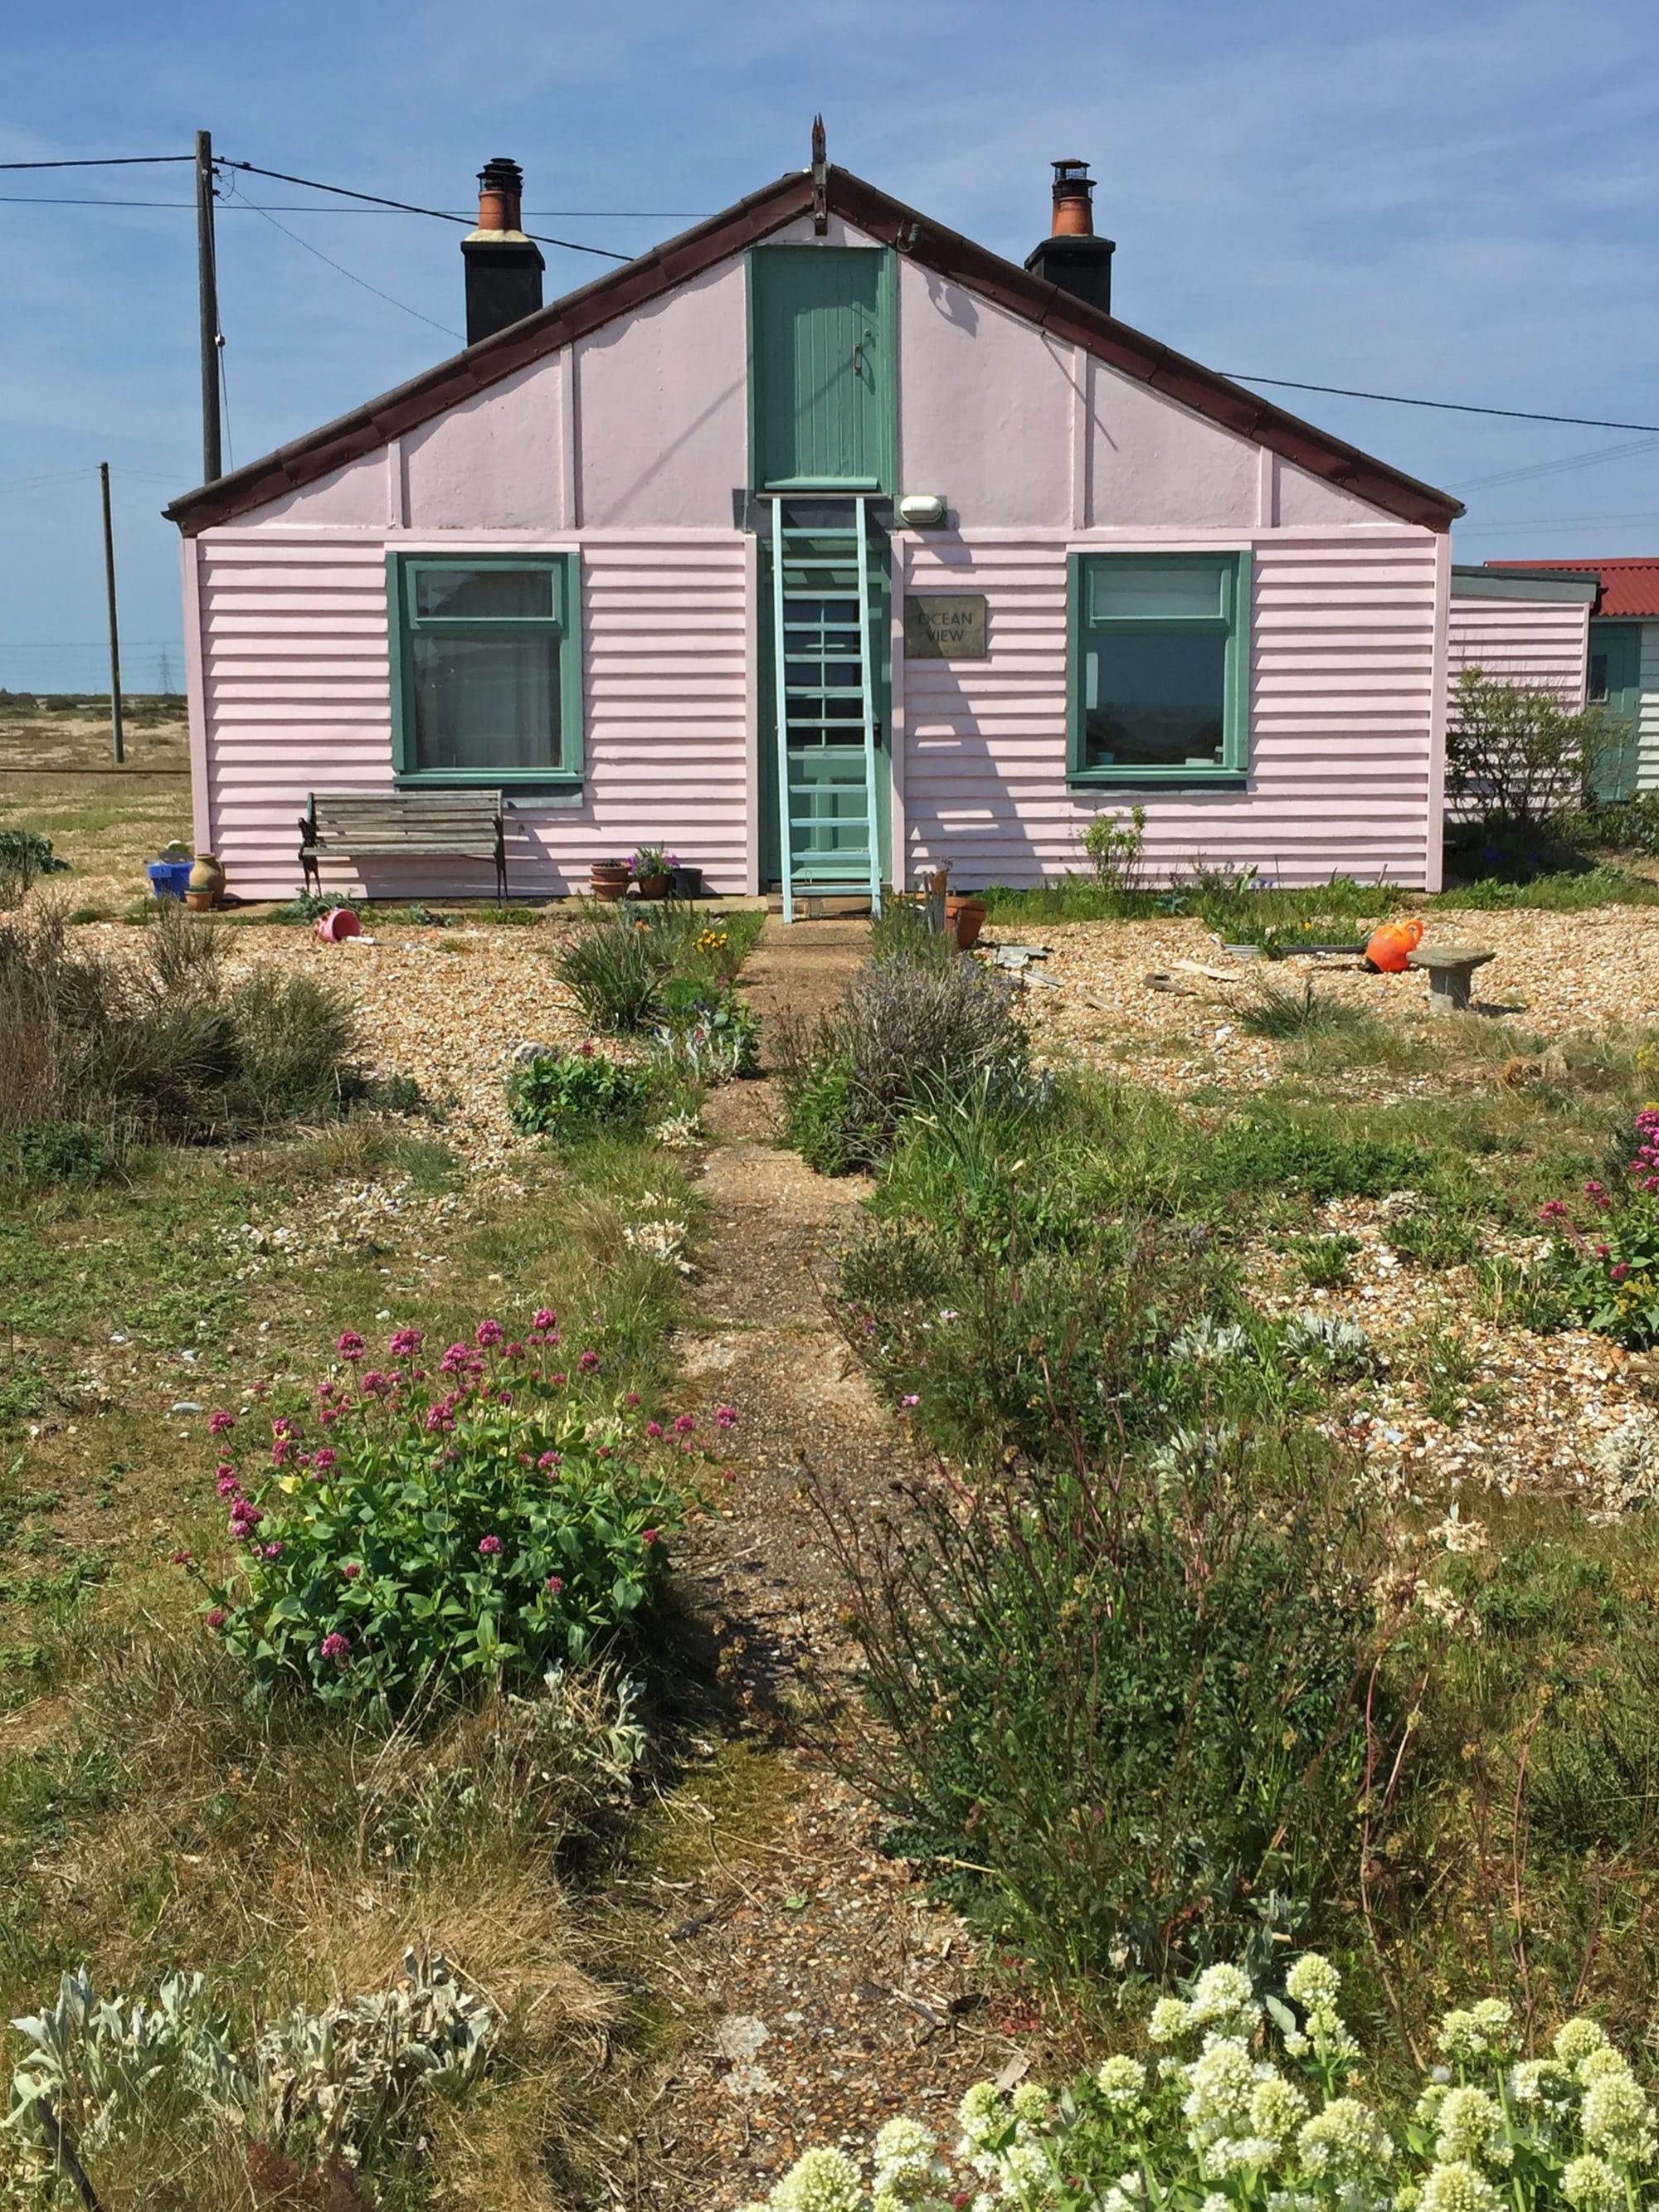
column 411, row 629
column 1091, row 620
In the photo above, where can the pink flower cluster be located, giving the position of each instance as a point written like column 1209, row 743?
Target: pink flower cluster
column 1646, row 1162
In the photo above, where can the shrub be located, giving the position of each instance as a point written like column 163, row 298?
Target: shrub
column 822, row 1123
column 59, row 1152
column 903, row 1035
column 1518, row 758
column 614, row 967
column 290, row 1037
column 25, row 855
column 1113, row 845
column 707, row 1032
column 1606, row 1269
column 1125, row 1695
column 567, row 1092
column 1264, row 2113
column 1625, row 825
column 161, row 1046
column 330, row 2087
column 903, row 937
column 474, row 1525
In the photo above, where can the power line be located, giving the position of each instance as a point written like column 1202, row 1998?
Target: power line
column 102, row 162
column 1558, row 467
column 1449, row 406
column 405, row 207
column 1556, row 522
column 351, row 273
column 309, row 206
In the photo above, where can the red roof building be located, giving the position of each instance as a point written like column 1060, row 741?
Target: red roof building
column 1630, row 589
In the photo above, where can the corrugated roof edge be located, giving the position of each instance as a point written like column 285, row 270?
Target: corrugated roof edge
column 947, row 253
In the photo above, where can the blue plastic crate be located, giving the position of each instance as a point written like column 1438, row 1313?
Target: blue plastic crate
column 169, row 880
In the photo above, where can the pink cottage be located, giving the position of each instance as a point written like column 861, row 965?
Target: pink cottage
column 1017, row 566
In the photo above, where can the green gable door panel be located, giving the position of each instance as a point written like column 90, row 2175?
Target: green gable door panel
column 820, row 369
column 1615, row 684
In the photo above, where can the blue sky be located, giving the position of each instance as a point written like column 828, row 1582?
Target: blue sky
column 1454, row 203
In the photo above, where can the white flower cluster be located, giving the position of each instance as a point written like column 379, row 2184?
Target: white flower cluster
column 1226, row 2129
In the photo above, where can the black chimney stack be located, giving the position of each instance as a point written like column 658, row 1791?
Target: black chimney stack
column 1071, row 256
column 503, row 267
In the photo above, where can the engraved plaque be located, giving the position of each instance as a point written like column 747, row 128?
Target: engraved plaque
column 946, row 626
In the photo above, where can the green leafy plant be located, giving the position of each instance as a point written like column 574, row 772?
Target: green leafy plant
column 708, row 1033
column 1436, row 1236
column 305, row 907
column 561, row 1092
column 25, row 855
column 1325, row 1263
column 614, row 967
column 1518, row 759
column 59, row 1152
column 1113, row 844
column 480, row 1524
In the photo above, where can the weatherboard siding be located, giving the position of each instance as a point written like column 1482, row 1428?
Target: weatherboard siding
column 1647, row 714
column 1343, row 722
column 296, row 698
column 1541, row 642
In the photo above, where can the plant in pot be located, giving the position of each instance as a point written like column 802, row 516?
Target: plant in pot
column 608, row 879
column 653, row 868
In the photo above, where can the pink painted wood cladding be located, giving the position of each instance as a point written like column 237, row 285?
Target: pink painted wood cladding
column 1342, row 695
column 298, row 699
column 1533, row 642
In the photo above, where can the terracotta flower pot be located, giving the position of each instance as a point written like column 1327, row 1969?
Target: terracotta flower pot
column 206, row 883
column 608, row 879
column 655, row 887
column 964, row 918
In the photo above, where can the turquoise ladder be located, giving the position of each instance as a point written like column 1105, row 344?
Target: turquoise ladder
column 824, row 688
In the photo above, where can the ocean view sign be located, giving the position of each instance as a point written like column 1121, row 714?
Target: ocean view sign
column 946, row 626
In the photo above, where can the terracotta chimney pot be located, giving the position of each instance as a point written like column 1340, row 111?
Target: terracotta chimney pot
column 1075, row 193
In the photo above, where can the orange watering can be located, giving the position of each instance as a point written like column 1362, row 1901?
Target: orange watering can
column 1391, row 947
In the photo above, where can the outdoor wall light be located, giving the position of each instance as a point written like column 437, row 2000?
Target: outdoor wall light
column 922, row 510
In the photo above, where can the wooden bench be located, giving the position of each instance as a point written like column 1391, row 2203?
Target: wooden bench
column 1450, row 972
column 466, row 825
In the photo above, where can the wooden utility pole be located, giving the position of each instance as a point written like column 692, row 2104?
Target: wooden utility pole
column 114, row 631
column 208, row 286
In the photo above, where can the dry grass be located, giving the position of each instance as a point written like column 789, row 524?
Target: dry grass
column 105, row 826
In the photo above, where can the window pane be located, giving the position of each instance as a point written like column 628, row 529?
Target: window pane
column 1121, row 591
column 486, row 702
column 1154, row 701
column 484, row 593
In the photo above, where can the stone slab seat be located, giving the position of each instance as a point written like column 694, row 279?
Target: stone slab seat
column 1450, row 971
column 463, row 825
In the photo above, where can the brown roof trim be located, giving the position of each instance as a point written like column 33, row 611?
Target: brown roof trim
column 944, row 251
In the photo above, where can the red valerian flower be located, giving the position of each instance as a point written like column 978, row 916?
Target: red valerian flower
column 684, row 1425
column 1553, row 1210
column 589, row 1363
column 544, row 1317
column 228, row 1486
column 489, row 1334
column 324, row 1460
column 181, row 1559
column 631, row 1400
column 555, row 1583
column 217, row 1618
column 725, row 1418
column 405, row 1343
column 350, row 1345
column 653, row 1429
column 336, row 1646
column 549, row 1460
column 489, row 1546
column 649, row 1536
column 220, row 1424
column 1619, row 1273
column 351, row 1571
